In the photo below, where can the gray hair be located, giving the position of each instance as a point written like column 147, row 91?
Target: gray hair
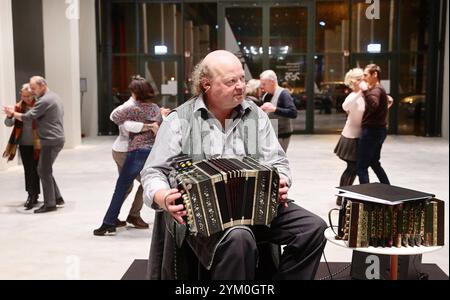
column 353, row 76
column 39, row 80
column 252, row 87
column 200, row 72
column 270, row 75
column 26, row 88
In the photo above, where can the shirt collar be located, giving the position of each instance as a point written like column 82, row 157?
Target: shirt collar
column 241, row 109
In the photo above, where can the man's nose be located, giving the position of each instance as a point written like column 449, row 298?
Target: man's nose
column 241, row 84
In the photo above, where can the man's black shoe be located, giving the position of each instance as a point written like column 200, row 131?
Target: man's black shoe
column 44, row 209
column 31, row 202
column 60, row 202
column 105, row 229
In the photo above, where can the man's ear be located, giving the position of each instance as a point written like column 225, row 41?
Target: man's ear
column 206, row 85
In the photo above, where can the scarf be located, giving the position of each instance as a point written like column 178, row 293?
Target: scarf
column 11, row 148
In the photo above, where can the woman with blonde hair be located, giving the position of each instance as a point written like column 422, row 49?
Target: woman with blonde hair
column 347, row 147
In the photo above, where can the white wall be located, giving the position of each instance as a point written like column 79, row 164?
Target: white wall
column 62, row 61
column 445, row 106
column 88, row 67
column 7, row 75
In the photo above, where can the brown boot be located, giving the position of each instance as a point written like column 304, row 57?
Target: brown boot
column 120, row 223
column 137, row 222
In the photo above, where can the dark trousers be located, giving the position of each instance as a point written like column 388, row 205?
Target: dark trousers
column 45, row 170
column 299, row 230
column 132, row 167
column 30, row 165
column 369, row 151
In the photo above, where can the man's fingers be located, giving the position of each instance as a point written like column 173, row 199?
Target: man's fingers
column 175, row 208
column 179, row 219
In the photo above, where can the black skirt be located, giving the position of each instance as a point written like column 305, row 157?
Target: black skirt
column 347, row 149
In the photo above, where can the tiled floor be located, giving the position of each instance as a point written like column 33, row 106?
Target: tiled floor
column 60, row 245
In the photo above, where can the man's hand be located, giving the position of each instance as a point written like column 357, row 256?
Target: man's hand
column 165, row 111
column 283, row 191
column 166, row 200
column 390, row 101
column 268, row 107
column 363, row 85
column 9, row 111
column 154, row 127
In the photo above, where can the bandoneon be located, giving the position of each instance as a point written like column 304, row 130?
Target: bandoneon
column 222, row 193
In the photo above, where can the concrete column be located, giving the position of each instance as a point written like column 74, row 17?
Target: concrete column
column 88, row 68
column 7, row 74
column 62, row 61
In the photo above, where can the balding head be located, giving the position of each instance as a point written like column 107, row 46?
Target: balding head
column 213, row 64
column 221, row 79
column 218, row 61
column 38, row 85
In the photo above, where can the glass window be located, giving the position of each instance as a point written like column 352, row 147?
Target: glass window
column 200, row 35
column 288, row 30
column 332, row 26
column 123, row 68
column 414, row 26
column 161, row 28
column 163, row 76
column 243, row 36
column 412, row 96
column 373, row 26
column 123, row 29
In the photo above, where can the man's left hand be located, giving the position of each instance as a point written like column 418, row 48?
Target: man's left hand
column 268, row 107
column 283, row 191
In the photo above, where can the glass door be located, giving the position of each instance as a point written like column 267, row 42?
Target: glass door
column 274, row 36
column 165, row 75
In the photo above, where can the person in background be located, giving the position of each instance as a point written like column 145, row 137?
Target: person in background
column 119, row 154
column 24, row 136
column 48, row 112
column 143, row 110
column 347, row 146
column 253, row 91
column 278, row 103
column 374, row 125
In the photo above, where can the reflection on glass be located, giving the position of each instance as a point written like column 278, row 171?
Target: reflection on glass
column 243, row 36
column 288, row 30
column 123, row 68
column 414, row 26
column 373, row 24
column 332, row 26
column 163, row 76
column 412, row 96
column 123, row 29
column 161, row 25
column 200, row 35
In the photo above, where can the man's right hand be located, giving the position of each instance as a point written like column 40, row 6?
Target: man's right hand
column 166, row 200
column 9, row 111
